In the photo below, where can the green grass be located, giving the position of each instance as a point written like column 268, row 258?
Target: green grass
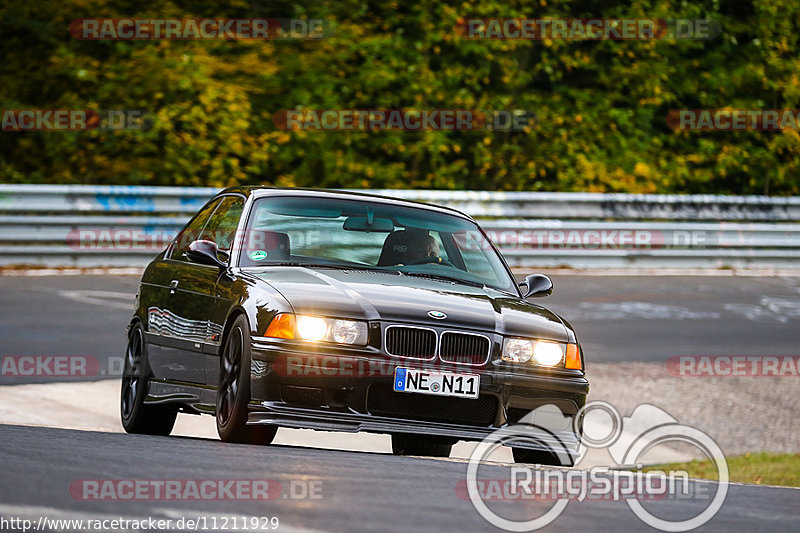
column 760, row 468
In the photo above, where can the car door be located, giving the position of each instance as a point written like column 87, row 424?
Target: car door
column 192, row 301
column 165, row 328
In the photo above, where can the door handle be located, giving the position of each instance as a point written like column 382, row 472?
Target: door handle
column 173, row 285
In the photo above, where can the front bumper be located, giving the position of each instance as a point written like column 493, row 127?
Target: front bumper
column 327, row 388
column 283, row 415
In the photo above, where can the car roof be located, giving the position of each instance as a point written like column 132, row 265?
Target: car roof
column 262, row 190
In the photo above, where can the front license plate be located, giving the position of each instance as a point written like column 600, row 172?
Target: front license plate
column 436, row 383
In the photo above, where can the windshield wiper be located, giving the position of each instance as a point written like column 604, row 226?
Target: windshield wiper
column 282, row 264
column 447, row 278
column 307, row 264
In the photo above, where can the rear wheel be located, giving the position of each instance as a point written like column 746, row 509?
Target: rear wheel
column 233, row 392
column 136, row 416
column 405, row 444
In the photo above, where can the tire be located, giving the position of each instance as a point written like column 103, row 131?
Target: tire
column 233, row 390
column 539, row 457
column 136, row 416
column 404, row 444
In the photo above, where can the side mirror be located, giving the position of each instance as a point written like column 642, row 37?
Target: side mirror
column 206, row 253
column 536, row 285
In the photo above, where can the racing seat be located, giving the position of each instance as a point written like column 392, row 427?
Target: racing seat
column 395, row 247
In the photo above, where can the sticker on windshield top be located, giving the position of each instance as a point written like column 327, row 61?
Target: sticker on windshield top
column 258, row 255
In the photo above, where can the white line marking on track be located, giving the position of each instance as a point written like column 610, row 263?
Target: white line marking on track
column 106, row 298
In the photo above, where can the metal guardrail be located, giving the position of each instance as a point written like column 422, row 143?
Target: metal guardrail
column 568, row 205
column 43, row 225
column 89, row 199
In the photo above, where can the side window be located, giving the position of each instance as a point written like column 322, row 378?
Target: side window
column 221, row 227
column 191, row 232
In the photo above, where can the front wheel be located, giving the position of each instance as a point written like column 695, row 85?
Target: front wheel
column 136, row 416
column 233, row 392
column 404, row 444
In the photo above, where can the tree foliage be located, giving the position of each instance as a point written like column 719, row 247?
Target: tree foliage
column 600, row 105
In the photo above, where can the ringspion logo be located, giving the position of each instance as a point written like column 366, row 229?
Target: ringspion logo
column 596, row 484
column 625, row 438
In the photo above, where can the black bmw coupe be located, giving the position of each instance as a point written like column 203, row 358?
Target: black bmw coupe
column 342, row 311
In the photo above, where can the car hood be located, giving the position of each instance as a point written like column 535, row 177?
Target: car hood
column 385, row 296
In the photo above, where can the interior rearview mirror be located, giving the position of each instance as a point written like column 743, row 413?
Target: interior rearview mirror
column 368, row 224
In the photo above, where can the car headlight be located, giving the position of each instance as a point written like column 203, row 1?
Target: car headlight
column 317, row 328
column 312, row 328
column 545, row 353
column 348, row 332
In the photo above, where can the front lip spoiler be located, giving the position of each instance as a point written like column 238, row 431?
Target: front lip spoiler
column 280, row 414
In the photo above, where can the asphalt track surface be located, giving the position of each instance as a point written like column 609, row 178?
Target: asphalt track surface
column 617, row 318
column 632, row 318
column 359, row 491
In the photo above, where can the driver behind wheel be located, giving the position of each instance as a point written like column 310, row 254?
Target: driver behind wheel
column 407, row 247
column 421, row 249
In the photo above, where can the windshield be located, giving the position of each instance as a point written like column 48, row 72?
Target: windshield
column 359, row 234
